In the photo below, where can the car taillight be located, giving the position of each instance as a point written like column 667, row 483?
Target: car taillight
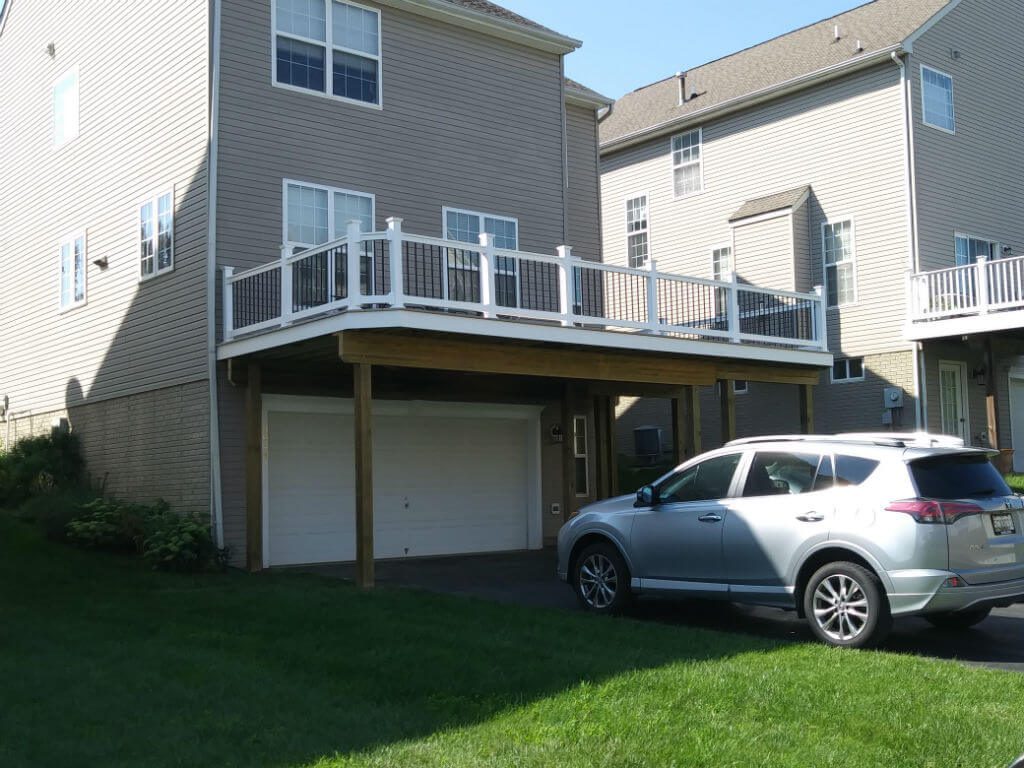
column 930, row 512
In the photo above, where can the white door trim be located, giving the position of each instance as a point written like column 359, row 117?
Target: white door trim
column 965, row 404
column 1015, row 375
column 335, row 405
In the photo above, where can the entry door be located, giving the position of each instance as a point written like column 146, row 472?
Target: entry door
column 952, row 399
column 1017, row 419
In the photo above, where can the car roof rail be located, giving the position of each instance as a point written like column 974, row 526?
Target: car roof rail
column 885, row 439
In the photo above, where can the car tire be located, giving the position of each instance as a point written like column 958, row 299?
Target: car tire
column 958, row 619
column 601, row 579
column 846, row 606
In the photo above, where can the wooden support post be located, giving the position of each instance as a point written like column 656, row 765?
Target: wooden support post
column 568, row 454
column 686, row 432
column 727, row 396
column 363, row 396
column 253, row 469
column 613, row 452
column 602, row 488
column 991, row 395
column 806, row 409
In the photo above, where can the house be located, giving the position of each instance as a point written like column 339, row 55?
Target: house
column 331, row 270
column 877, row 154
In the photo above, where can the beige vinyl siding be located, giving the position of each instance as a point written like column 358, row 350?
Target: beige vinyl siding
column 805, row 273
column 845, row 139
column 583, row 203
column 763, row 252
column 970, row 182
column 142, row 70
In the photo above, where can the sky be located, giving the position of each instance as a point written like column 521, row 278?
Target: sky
column 654, row 39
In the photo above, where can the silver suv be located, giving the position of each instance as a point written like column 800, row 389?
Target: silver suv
column 850, row 531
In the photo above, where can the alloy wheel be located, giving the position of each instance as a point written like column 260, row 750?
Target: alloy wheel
column 599, row 582
column 841, row 607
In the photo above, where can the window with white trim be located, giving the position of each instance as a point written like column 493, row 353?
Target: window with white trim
column 968, row 249
column 466, row 227
column 721, row 263
column 637, row 242
column 687, row 170
column 848, row 369
column 72, row 271
column 937, row 99
column 740, row 386
column 65, row 108
column 315, row 214
column 156, row 235
column 837, row 248
column 579, row 452
column 328, row 47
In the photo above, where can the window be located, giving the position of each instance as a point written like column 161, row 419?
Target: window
column 65, row 108
column 838, row 251
column 637, row 244
column 329, row 47
column 156, row 235
column 937, row 99
column 773, row 474
column 579, row 452
column 853, row 470
column 72, row 271
column 957, row 476
column 968, row 249
column 707, row 481
column 848, row 369
column 721, row 263
column 315, row 214
column 687, row 171
column 740, row 387
column 466, row 227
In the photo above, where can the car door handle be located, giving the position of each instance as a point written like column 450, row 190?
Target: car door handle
column 811, row 517
column 711, row 517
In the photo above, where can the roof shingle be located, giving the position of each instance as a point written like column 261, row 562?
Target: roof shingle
column 492, row 9
column 770, row 203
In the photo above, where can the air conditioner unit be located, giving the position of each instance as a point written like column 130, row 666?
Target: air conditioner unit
column 647, row 444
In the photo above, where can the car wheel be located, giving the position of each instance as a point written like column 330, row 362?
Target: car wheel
column 601, row 579
column 958, row 619
column 846, row 606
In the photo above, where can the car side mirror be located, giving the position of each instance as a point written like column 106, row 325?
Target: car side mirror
column 646, row 496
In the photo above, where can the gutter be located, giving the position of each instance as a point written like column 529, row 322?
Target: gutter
column 750, row 99
column 590, row 99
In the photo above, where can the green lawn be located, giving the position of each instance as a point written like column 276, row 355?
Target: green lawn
column 103, row 663
column 1016, row 482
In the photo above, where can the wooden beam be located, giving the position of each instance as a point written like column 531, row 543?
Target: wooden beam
column 253, row 468
column 409, row 350
column 806, row 409
column 612, row 447
column 686, row 430
column 991, row 395
column 767, row 373
column 727, row 397
column 363, row 391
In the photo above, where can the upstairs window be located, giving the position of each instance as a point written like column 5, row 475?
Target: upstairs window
column 968, row 249
column 328, row 47
column 65, row 108
column 156, row 235
column 637, row 242
column 466, row 227
column 316, row 214
column 838, row 252
column 72, row 271
column 687, row 171
column 721, row 263
column 937, row 99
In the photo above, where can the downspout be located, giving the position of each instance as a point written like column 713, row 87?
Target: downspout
column 565, row 155
column 216, row 507
column 911, row 192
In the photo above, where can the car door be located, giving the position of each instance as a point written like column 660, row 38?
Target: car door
column 784, row 510
column 676, row 543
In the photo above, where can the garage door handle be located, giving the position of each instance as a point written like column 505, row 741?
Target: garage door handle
column 811, row 517
column 710, row 518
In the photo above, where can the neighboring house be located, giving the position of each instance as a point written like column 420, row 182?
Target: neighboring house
column 300, row 263
column 847, row 154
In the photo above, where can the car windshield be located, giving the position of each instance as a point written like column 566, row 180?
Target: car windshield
column 958, row 476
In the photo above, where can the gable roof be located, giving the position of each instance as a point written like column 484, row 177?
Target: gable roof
column 771, row 203
column 577, row 93
column 879, row 26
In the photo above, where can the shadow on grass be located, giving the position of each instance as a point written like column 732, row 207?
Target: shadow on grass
column 105, row 663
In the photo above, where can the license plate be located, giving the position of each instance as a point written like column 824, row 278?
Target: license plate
column 1003, row 525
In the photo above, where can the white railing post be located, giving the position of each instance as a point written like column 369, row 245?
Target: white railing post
column 982, row 277
column 487, row 272
column 652, row 296
column 396, row 256
column 820, row 322
column 566, row 283
column 228, row 307
column 287, row 294
column 354, row 267
column 733, row 304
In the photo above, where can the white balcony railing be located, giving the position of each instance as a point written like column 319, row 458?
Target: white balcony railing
column 360, row 272
column 973, row 289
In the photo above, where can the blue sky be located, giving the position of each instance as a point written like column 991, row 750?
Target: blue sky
column 627, row 45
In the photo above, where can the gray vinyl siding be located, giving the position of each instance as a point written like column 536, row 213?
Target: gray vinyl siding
column 142, row 131
column 845, row 139
column 971, row 182
column 765, row 409
column 231, row 412
column 857, row 406
column 584, row 183
column 763, row 253
column 468, row 121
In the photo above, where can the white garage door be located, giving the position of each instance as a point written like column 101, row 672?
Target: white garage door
column 448, row 479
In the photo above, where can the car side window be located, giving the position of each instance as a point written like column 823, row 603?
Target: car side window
column 706, row 481
column 774, row 473
column 826, row 477
column 853, row 470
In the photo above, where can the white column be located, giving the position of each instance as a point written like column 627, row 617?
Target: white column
column 983, row 288
column 653, row 320
column 566, row 280
column 820, row 321
column 354, row 265
column 287, row 295
column 734, row 308
column 487, row 272
column 228, row 308
column 396, row 255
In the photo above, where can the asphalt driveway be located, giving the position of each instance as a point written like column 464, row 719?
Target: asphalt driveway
column 528, row 578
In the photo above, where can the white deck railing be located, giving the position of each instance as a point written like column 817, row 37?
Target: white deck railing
column 360, row 273
column 973, row 289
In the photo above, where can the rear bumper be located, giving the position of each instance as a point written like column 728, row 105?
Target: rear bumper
column 918, row 592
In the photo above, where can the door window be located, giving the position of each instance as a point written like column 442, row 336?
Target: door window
column 706, row 481
column 774, row 473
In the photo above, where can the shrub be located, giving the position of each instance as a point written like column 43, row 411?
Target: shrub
column 53, row 511
column 181, row 543
column 39, row 465
column 114, row 526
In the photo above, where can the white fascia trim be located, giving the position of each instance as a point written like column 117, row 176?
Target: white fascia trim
column 500, row 329
column 908, row 44
column 965, row 326
column 751, row 99
column 441, row 10
column 588, row 99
